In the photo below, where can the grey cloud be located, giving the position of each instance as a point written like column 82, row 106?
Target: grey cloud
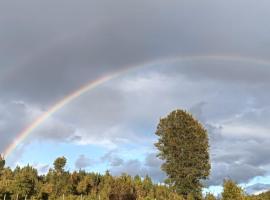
column 179, row 28
column 116, row 162
column 17, row 115
column 113, row 159
column 257, row 116
column 257, row 188
column 151, row 160
column 150, row 166
column 83, row 162
column 13, row 117
column 241, row 173
column 257, row 154
column 214, row 131
column 56, row 130
column 239, row 158
column 135, row 167
column 229, row 70
column 132, row 167
column 197, row 111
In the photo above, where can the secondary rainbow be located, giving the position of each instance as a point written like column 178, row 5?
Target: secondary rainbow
column 93, row 84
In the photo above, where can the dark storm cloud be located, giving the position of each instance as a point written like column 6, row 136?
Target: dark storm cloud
column 13, row 117
column 230, row 69
column 65, row 40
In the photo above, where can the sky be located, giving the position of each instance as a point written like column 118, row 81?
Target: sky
column 208, row 57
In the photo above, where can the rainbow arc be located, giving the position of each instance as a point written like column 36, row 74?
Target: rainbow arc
column 101, row 80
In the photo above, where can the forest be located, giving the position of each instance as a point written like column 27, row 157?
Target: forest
column 25, row 183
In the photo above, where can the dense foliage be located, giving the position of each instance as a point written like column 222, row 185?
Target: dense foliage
column 232, row 191
column 25, row 183
column 183, row 145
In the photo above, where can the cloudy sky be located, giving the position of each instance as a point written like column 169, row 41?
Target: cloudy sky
column 49, row 49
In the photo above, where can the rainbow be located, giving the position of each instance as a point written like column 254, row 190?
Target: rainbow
column 93, row 84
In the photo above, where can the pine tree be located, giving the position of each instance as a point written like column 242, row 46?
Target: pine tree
column 183, row 145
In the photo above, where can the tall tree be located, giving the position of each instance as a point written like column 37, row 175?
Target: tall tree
column 59, row 178
column 183, row 145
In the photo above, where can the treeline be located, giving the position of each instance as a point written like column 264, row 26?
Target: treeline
column 25, row 183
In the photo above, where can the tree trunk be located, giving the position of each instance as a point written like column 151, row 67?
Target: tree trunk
column 17, row 197
column 25, row 198
column 5, row 196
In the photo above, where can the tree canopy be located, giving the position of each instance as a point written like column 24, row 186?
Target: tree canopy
column 183, row 145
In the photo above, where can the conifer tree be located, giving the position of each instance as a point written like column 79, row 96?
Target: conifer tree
column 183, row 145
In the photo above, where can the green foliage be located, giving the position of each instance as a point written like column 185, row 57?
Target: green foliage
column 25, row 181
column 263, row 196
column 6, row 182
column 190, row 197
column 231, row 191
column 183, row 145
column 210, row 197
column 2, row 163
column 80, row 185
column 59, row 164
column 59, row 184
